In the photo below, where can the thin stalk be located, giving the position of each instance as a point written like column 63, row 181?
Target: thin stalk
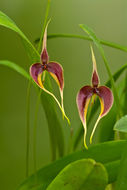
column 103, row 42
column 75, row 36
column 44, row 25
column 35, row 134
column 28, row 129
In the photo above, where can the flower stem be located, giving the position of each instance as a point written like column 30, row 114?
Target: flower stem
column 28, row 129
column 75, row 36
column 103, row 42
column 35, row 133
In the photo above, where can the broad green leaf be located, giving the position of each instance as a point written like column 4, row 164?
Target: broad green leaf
column 104, row 153
column 55, row 129
column 98, row 44
column 112, row 169
column 121, row 183
column 121, row 124
column 15, row 67
column 83, row 174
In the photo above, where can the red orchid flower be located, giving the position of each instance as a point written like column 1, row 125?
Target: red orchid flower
column 53, row 68
column 85, row 95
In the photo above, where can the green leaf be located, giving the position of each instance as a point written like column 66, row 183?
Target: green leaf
column 121, row 183
column 15, row 67
column 83, row 174
column 98, row 44
column 121, row 124
column 104, row 153
column 55, row 128
column 112, row 169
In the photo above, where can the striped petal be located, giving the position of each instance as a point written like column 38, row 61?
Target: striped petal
column 95, row 77
column 83, row 99
column 106, row 100
column 56, row 71
column 36, row 73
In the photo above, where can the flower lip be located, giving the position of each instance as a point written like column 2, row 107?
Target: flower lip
column 44, row 66
column 95, row 90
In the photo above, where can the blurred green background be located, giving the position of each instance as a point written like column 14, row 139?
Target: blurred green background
column 108, row 18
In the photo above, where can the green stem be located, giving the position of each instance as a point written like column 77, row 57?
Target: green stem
column 44, row 25
column 35, row 132
column 103, row 42
column 28, row 129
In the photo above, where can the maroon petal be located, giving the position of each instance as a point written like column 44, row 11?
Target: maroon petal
column 83, row 99
column 95, row 77
column 36, row 72
column 56, row 71
column 106, row 100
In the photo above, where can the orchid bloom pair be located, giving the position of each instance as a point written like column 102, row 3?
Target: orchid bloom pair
column 84, row 95
column 53, row 68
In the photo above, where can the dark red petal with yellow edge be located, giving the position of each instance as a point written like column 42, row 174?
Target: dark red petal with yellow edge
column 82, row 100
column 56, row 71
column 106, row 99
column 35, row 71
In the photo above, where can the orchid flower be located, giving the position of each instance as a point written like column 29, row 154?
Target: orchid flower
column 53, row 68
column 85, row 95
